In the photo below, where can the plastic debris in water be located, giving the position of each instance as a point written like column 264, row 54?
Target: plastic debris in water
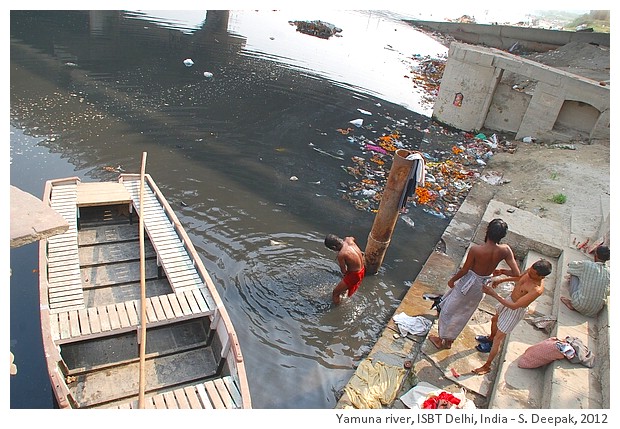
column 375, row 148
column 408, row 221
column 357, row 122
column 208, row 75
column 188, row 62
column 364, row 112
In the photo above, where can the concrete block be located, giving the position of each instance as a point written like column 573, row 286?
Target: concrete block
column 506, row 62
column 546, row 97
column 603, row 355
column 392, row 351
column 549, row 75
column 463, row 357
column 479, row 58
column 554, row 85
column 601, row 130
column 457, row 51
column 587, row 92
column 547, row 238
column 435, row 274
column 32, row 220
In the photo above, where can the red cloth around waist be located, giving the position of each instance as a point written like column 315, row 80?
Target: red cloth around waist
column 353, row 279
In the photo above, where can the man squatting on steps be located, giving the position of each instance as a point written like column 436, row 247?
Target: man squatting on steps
column 510, row 311
column 588, row 283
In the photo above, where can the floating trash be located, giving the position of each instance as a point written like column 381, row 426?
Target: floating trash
column 357, row 122
column 276, row 243
column 321, row 29
column 375, row 148
column 329, row 154
column 188, row 62
column 208, row 75
column 450, row 174
column 408, row 221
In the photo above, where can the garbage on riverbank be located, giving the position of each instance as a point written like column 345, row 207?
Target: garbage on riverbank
column 450, row 174
column 426, row 75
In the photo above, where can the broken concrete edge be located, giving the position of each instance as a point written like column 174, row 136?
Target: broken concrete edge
column 32, row 220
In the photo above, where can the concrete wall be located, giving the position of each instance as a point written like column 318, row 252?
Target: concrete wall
column 507, row 109
column 505, row 36
column 561, row 107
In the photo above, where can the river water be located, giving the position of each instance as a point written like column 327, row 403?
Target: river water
column 255, row 157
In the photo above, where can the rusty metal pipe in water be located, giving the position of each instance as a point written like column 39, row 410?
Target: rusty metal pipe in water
column 389, row 208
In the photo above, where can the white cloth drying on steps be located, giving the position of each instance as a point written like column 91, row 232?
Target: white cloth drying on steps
column 416, row 325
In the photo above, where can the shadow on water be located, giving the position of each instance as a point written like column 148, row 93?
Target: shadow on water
column 91, row 91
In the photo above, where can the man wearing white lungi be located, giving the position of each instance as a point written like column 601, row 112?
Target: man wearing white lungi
column 462, row 299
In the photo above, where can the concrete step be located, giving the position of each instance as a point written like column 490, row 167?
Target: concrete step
column 561, row 384
column 589, row 224
column 520, row 388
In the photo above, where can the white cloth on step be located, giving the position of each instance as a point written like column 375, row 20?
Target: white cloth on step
column 416, row 325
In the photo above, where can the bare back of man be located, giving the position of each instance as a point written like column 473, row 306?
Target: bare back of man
column 486, row 257
column 480, row 263
column 350, row 257
column 351, row 262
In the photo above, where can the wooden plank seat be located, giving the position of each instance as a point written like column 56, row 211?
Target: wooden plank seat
column 63, row 270
column 86, row 323
column 215, row 394
column 172, row 254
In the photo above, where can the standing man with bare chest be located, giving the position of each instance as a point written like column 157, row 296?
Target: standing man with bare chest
column 351, row 261
column 511, row 310
column 462, row 299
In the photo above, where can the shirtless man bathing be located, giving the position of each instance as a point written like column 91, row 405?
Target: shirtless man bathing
column 511, row 310
column 351, row 261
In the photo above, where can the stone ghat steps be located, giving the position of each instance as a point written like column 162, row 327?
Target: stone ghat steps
column 516, row 387
column 560, row 384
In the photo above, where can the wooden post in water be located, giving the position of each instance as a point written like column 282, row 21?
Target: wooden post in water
column 389, row 208
column 142, row 290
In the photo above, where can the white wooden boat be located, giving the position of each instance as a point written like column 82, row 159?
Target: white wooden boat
column 91, row 284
